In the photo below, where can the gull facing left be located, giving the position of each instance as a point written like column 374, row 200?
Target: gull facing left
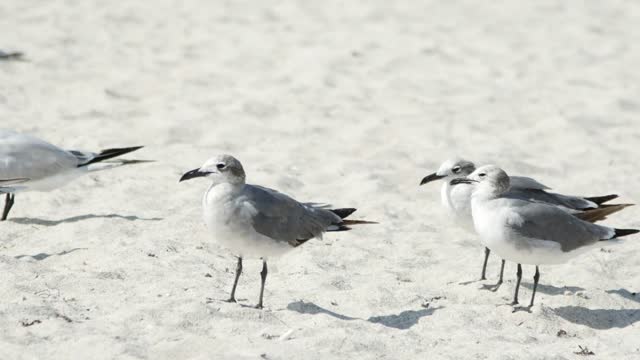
column 457, row 199
column 528, row 232
column 256, row 221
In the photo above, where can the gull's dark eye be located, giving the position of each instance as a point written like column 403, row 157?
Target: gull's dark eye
column 220, row 166
column 482, row 175
column 456, row 169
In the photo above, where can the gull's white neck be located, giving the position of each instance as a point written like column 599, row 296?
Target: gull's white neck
column 218, row 204
column 457, row 200
column 445, row 195
column 488, row 216
column 221, row 192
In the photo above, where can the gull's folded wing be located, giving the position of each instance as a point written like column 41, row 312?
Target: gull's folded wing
column 546, row 222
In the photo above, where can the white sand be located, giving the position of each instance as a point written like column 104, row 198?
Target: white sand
column 343, row 102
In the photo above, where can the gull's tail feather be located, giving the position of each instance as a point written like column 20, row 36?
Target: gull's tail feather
column 601, row 199
column 623, row 232
column 110, row 153
column 343, row 213
column 131, row 162
column 358, row 222
column 344, row 224
column 601, row 213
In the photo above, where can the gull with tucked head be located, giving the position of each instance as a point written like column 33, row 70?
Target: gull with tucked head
column 457, row 200
column 256, row 221
column 528, row 232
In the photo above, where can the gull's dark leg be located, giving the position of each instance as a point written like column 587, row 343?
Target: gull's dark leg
column 484, row 265
column 501, row 271
column 263, row 276
column 519, row 274
column 8, row 204
column 497, row 285
column 232, row 298
column 536, row 277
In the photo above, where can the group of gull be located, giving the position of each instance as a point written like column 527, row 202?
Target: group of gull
column 515, row 217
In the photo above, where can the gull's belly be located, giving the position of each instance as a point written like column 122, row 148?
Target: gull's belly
column 534, row 251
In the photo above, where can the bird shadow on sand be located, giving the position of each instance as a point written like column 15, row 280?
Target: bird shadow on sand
column 625, row 294
column 600, row 319
column 73, row 219
column 553, row 290
column 402, row 321
column 42, row 256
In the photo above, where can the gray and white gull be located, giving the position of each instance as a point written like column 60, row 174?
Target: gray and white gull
column 457, row 199
column 255, row 221
column 525, row 231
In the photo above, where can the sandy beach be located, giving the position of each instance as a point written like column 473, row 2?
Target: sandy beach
column 347, row 103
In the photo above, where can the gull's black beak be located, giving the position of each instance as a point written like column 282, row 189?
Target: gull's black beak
column 193, row 174
column 462, row 181
column 430, row 178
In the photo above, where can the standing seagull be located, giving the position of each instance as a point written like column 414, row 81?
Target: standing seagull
column 44, row 167
column 255, row 221
column 457, row 199
column 528, row 232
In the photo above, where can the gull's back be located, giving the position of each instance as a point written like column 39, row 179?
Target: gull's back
column 526, row 188
column 523, row 182
column 282, row 218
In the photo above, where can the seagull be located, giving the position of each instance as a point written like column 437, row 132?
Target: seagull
column 457, row 200
column 528, row 232
column 256, row 221
column 36, row 165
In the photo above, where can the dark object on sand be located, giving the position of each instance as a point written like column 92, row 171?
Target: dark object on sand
column 16, row 55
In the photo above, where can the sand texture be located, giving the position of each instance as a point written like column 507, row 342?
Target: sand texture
column 348, row 103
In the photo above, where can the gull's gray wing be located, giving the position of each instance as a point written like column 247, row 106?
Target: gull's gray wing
column 546, row 222
column 567, row 201
column 526, row 188
column 523, row 182
column 571, row 202
column 284, row 219
column 24, row 156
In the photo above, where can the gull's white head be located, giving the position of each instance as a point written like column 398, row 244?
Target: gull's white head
column 488, row 181
column 220, row 169
column 451, row 169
